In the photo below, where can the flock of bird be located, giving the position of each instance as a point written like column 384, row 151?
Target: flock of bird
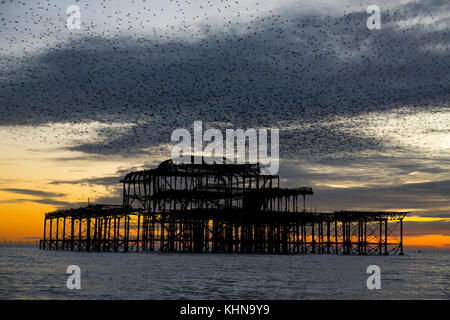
column 222, row 63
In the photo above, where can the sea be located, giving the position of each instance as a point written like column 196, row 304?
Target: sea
column 29, row 273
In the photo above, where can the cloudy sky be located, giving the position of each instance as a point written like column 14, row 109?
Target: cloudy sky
column 364, row 115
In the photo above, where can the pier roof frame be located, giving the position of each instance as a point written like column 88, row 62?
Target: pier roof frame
column 170, row 168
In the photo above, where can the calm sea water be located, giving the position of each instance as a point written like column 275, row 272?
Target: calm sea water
column 29, row 273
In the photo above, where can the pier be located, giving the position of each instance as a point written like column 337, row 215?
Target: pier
column 219, row 208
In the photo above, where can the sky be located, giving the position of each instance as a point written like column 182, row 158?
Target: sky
column 364, row 115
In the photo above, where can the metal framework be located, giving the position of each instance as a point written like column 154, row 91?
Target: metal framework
column 218, row 208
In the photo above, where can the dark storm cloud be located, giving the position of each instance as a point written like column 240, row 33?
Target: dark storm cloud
column 105, row 181
column 44, row 197
column 112, row 200
column 368, row 171
column 284, row 69
column 109, row 181
column 433, row 197
column 424, row 227
column 52, row 202
column 427, row 6
column 32, row 192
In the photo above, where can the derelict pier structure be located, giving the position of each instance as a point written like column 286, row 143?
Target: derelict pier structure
column 223, row 208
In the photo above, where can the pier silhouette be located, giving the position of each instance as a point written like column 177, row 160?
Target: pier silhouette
column 220, row 208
